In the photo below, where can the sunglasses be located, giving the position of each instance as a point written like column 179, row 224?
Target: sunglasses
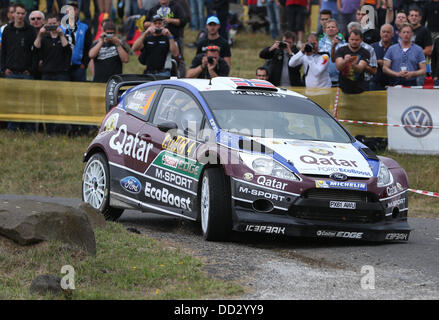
column 36, row 18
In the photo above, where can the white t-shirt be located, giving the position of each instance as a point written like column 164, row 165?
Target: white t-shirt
column 316, row 68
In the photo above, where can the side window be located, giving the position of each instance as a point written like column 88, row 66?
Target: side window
column 138, row 102
column 178, row 107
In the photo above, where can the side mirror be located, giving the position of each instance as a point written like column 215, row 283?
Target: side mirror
column 167, row 126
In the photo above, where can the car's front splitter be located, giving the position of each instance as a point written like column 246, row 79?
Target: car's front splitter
column 397, row 230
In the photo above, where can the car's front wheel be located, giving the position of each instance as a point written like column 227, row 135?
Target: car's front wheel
column 96, row 186
column 215, row 205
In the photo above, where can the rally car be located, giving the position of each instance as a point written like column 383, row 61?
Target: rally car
column 243, row 155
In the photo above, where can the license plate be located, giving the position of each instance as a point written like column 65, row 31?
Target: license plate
column 342, row 205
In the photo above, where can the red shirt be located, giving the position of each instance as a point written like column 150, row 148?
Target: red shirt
column 302, row 3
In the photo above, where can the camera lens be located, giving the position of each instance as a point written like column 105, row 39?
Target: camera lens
column 210, row 60
column 282, row 45
column 158, row 30
column 309, row 47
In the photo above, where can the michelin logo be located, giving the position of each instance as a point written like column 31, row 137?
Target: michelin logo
column 329, row 184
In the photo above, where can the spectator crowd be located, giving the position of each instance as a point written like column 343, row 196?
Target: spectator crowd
column 358, row 45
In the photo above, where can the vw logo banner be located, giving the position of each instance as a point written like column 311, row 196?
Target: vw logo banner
column 413, row 107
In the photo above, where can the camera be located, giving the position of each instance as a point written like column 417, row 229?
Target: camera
column 109, row 35
column 282, row 45
column 339, row 38
column 210, row 60
column 158, row 30
column 309, row 47
column 51, row 27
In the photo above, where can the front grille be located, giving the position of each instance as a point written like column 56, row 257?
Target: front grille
column 322, row 212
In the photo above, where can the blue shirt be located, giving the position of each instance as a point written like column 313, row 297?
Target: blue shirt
column 410, row 58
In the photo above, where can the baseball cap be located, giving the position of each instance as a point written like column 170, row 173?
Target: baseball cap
column 156, row 17
column 213, row 19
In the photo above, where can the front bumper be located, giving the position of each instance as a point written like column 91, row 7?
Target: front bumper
column 395, row 230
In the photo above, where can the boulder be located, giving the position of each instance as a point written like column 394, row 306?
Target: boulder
column 96, row 218
column 28, row 222
column 46, row 283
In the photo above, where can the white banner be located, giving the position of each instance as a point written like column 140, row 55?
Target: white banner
column 413, row 106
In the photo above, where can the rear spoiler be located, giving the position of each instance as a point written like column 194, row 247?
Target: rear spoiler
column 113, row 90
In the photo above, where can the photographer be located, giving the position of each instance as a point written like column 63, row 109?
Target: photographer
column 157, row 44
column 277, row 56
column 209, row 65
column 315, row 64
column 54, row 50
column 108, row 54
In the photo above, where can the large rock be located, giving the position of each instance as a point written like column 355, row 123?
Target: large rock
column 46, row 283
column 96, row 218
column 27, row 222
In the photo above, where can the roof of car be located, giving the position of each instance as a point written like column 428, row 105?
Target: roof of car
column 233, row 83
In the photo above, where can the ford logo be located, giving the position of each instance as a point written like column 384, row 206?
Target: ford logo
column 339, row 176
column 131, row 184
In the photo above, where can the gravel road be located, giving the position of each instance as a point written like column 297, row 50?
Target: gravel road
column 278, row 267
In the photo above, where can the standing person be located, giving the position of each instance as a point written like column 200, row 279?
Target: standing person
column 36, row 20
column 330, row 42
column 54, row 50
column 380, row 80
column 10, row 16
column 315, row 64
column 81, row 39
column 328, row 5
column 49, row 5
column 156, row 44
column 431, row 16
column 351, row 61
column 346, row 12
column 435, row 61
column 400, row 21
column 174, row 20
column 278, row 55
column 208, row 65
column 197, row 10
column 421, row 33
column 214, row 39
column 262, row 73
column 296, row 15
column 17, row 60
column 108, row 54
column 325, row 15
column 273, row 17
column 404, row 61
column 222, row 12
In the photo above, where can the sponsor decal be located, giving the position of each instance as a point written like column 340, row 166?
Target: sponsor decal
column 342, row 205
column 174, row 178
column 392, row 190
column 271, row 182
column 329, row 184
column 261, row 193
column 347, row 171
column 299, row 143
column 257, row 93
column 338, row 176
column 397, row 236
column 180, row 145
column 248, row 176
column 322, row 152
column 131, row 184
column 396, row 203
column 111, row 122
column 325, row 161
column 417, row 115
column 179, row 164
column 265, row 229
column 130, row 145
column 339, row 234
column 162, row 194
column 399, row 186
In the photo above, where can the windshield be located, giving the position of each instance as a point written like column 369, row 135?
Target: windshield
column 273, row 115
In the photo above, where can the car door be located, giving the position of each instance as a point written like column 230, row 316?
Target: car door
column 173, row 172
column 132, row 144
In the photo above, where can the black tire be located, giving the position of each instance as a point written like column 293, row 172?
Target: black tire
column 215, row 211
column 98, row 194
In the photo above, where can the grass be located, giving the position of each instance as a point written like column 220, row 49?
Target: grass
column 127, row 266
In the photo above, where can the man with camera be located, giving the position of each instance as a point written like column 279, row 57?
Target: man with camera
column 315, row 64
column 108, row 54
column 209, row 65
column 54, row 50
column 156, row 45
column 277, row 56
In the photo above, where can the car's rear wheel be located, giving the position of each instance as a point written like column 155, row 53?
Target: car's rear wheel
column 215, row 205
column 96, row 186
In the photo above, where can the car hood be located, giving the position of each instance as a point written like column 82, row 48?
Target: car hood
column 319, row 157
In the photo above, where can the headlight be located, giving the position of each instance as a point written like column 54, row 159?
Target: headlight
column 384, row 176
column 267, row 166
